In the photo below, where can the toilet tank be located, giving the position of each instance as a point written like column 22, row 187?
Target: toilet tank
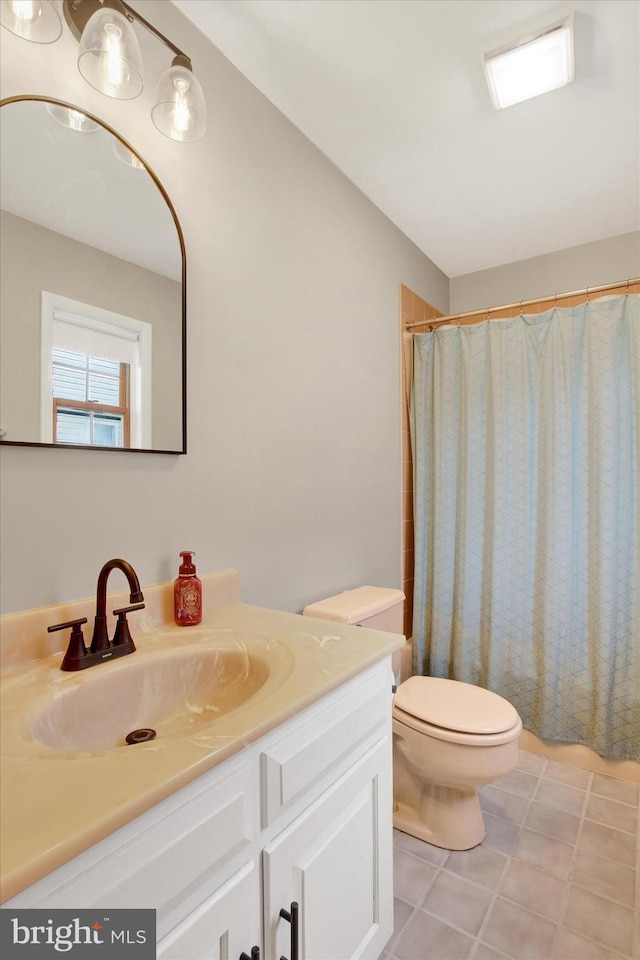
column 378, row 608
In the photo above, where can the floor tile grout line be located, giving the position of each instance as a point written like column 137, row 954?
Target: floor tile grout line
column 559, row 924
column 450, row 923
column 600, row 823
column 623, row 803
column 570, row 843
column 416, row 906
column 478, row 938
column 420, row 906
column 563, row 909
column 483, row 925
column 603, row 896
column 507, row 851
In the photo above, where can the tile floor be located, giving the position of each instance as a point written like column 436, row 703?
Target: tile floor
column 557, row 876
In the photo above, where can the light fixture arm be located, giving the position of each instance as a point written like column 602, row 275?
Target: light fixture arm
column 77, row 14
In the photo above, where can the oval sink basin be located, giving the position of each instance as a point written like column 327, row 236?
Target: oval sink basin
column 176, row 692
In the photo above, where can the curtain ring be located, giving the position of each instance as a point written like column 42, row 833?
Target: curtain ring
column 555, row 301
column 587, row 294
column 458, row 319
column 488, row 313
column 627, row 288
column 521, row 310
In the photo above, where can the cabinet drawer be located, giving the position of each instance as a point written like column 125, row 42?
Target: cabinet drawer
column 160, row 858
column 315, row 747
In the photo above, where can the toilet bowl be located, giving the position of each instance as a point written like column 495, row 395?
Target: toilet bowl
column 449, row 738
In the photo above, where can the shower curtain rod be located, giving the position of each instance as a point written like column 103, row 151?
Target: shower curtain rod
column 487, row 311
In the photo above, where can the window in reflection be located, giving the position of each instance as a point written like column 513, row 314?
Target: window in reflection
column 96, row 374
column 91, row 402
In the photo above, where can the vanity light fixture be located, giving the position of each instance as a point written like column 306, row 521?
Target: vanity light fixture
column 110, row 58
column 111, row 61
column 533, row 65
column 180, row 111
column 34, row 20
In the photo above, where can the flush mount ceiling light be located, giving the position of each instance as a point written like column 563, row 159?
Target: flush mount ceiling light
column 110, row 59
column 532, row 65
column 34, row 20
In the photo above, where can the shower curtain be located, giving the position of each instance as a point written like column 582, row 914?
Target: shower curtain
column 526, row 449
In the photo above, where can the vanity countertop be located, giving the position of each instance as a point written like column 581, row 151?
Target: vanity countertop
column 57, row 804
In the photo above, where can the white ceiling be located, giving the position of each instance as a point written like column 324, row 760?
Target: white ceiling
column 393, row 92
column 74, row 184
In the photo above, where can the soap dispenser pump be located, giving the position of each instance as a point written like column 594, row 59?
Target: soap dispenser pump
column 187, row 593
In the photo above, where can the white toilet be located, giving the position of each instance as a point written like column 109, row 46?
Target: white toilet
column 449, row 737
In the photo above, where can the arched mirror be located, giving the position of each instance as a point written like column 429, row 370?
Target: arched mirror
column 92, row 288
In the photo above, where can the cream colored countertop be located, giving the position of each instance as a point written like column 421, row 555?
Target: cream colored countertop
column 56, row 804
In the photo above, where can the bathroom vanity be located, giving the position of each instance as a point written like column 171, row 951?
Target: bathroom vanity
column 286, row 799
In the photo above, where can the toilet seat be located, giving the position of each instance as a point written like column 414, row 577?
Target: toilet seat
column 455, row 711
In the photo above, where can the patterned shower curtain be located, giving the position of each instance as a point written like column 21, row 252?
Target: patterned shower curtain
column 526, row 448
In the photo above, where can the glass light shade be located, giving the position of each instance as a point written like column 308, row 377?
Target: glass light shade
column 34, row 20
column 126, row 156
column 180, row 112
column 542, row 64
column 73, row 119
column 110, row 58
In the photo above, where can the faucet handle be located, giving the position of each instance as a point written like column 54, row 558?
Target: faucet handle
column 122, row 635
column 74, row 658
column 126, row 610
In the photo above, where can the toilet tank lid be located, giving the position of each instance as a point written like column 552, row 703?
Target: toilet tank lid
column 454, row 705
column 353, row 606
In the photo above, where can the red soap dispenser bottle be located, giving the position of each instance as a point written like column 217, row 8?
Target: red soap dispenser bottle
column 187, row 593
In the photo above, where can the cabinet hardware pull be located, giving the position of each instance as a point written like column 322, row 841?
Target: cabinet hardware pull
column 255, row 954
column 291, row 916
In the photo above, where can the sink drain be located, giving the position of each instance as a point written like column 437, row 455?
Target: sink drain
column 141, row 736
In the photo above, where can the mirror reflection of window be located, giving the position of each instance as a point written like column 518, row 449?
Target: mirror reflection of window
column 96, row 372
column 82, row 215
column 90, row 400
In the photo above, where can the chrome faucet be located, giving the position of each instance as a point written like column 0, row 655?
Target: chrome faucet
column 77, row 656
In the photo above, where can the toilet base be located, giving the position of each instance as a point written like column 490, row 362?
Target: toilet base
column 448, row 817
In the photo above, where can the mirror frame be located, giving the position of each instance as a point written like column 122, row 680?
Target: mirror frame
column 183, row 361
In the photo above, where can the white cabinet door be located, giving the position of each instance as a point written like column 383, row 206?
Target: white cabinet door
column 334, row 860
column 224, row 926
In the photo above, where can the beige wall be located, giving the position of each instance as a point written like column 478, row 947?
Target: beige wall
column 34, row 259
column 586, row 265
column 292, row 473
